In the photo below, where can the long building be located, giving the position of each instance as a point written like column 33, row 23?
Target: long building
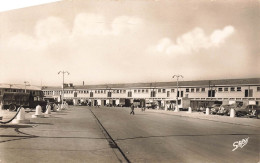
column 196, row 94
column 17, row 94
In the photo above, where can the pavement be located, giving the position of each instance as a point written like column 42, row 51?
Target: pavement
column 77, row 135
column 200, row 115
column 66, row 136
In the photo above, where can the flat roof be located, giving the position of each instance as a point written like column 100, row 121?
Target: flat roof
column 20, row 86
column 220, row 82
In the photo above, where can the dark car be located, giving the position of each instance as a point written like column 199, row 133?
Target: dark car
column 249, row 110
column 150, row 105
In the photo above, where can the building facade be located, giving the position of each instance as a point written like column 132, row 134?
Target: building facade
column 17, row 94
column 195, row 93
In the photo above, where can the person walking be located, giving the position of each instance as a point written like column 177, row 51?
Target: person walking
column 132, row 109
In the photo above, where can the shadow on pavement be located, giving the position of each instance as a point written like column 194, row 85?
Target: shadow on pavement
column 15, row 126
column 36, row 123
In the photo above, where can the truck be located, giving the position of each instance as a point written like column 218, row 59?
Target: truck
column 13, row 100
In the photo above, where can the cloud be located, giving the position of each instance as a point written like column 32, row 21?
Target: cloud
column 51, row 30
column 194, row 41
column 219, row 36
column 124, row 24
column 94, row 24
column 90, row 24
column 54, row 30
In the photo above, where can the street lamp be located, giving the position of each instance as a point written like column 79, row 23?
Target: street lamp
column 25, row 84
column 62, row 93
column 177, row 76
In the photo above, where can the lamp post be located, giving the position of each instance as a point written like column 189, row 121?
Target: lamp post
column 25, row 84
column 177, row 77
column 62, row 93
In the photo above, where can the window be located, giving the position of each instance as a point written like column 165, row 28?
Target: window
column 202, row 89
column 220, row 89
column 258, row 89
column 187, row 90
column 146, row 90
column 172, row 90
column 180, row 95
column 142, row 90
column 135, row 91
column 91, row 94
column 129, row 94
column 226, row 89
column 139, row 90
column 192, row 89
column 197, row 89
column 232, row 89
column 249, row 93
column 168, row 93
column 163, row 90
column 159, row 90
column 153, row 94
column 211, row 93
column 239, row 89
column 109, row 94
column 124, row 91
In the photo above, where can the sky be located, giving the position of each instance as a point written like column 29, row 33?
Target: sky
column 128, row 41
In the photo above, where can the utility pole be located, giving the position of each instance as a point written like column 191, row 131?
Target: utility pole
column 25, row 84
column 177, row 77
column 62, row 93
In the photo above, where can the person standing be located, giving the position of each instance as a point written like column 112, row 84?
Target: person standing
column 132, row 109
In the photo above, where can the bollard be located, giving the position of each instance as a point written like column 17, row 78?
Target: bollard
column 1, row 107
column 48, row 111
column 38, row 112
column 190, row 110
column 21, row 117
column 59, row 107
column 207, row 111
column 232, row 113
column 176, row 109
column 1, row 111
column 54, row 107
column 62, row 107
column 165, row 107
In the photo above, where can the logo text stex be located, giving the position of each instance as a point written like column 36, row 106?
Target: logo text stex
column 240, row 143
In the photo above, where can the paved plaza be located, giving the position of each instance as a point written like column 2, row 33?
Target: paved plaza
column 92, row 134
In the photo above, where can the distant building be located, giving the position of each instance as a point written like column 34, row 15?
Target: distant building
column 17, row 94
column 199, row 93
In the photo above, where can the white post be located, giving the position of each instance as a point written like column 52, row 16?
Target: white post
column 38, row 112
column 21, row 117
column 232, row 113
column 207, row 111
column 48, row 111
column 190, row 110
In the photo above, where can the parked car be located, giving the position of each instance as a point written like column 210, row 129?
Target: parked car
column 150, row 105
column 214, row 108
column 225, row 109
column 249, row 110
